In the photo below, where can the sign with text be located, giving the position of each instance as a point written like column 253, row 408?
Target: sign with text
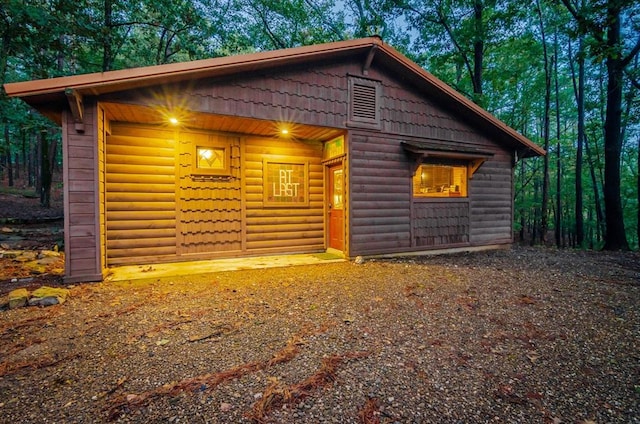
column 285, row 184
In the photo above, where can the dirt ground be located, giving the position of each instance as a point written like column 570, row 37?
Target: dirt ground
column 516, row 336
column 527, row 335
column 26, row 226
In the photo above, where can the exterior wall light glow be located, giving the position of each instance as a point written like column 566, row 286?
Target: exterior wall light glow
column 173, row 120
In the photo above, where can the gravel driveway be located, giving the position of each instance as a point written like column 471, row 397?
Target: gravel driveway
column 519, row 336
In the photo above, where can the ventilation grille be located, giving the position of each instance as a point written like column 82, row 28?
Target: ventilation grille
column 364, row 102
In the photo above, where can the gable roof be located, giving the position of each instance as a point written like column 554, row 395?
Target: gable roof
column 49, row 95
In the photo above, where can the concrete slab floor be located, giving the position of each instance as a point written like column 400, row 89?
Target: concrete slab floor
column 135, row 272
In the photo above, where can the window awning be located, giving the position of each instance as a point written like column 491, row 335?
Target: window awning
column 422, row 150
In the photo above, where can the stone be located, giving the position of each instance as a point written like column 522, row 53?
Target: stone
column 35, row 268
column 48, row 296
column 43, row 301
column 11, row 254
column 18, row 298
column 48, row 254
column 26, row 256
column 48, row 260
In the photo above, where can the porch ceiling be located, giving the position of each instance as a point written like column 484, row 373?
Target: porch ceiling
column 120, row 112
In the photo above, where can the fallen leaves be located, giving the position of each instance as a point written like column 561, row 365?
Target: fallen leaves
column 278, row 394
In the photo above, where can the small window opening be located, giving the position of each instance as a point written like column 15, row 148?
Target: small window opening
column 435, row 180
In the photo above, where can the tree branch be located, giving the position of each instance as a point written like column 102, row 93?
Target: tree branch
column 634, row 51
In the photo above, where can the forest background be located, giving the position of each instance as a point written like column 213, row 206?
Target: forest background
column 564, row 73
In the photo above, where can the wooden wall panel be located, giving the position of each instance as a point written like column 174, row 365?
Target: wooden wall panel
column 441, row 223
column 140, row 193
column 210, row 207
column 379, row 193
column 491, row 207
column 315, row 94
column 81, row 194
column 283, row 228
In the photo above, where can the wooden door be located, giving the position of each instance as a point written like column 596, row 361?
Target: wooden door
column 336, row 207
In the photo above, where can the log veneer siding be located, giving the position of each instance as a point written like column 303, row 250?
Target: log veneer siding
column 140, row 194
column 271, row 229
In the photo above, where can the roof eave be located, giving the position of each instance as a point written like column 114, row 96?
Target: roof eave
column 101, row 82
column 521, row 143
column 42, row 94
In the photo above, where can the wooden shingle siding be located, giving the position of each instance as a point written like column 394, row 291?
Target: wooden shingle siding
column 311, row 95
column 283, row 229
column 140, row 194
column 441, row 223
column 379, row 195
column 210, row 207
column 81, row 198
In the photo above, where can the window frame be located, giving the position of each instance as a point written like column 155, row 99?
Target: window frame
column 416, row 193
column 212, row 144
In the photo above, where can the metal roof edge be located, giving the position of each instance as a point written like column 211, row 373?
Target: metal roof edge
column 176, row 71
column 151, row 73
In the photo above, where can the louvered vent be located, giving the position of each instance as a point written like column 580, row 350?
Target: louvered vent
column 364, row 102
column 364, row 110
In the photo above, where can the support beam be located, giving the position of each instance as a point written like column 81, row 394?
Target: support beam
column 473, row 166
column 77, row 108
column 369, row 60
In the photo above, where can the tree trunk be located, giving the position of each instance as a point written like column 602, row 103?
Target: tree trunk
column 596, row 193
column 615, row 237
column 107, row 48
column 544, row 225
column 7, row 139
column 16, row 165
column 45, row 170
column 536, row 212
column 523, row 221
column 581, row 138
column 558, row 223
column 478, row 52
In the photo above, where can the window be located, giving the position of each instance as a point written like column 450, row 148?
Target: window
column 211, row 158
column 439, row 180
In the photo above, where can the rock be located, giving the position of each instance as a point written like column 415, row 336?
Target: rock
column 26, row 256
column 48, row 296
column 35, row 268
column 18, row 298
column 48, row 260
column 49, row 254
column 10, row 254
column 359, row 260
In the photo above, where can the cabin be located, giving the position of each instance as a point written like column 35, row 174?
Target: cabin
column 346, row 147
